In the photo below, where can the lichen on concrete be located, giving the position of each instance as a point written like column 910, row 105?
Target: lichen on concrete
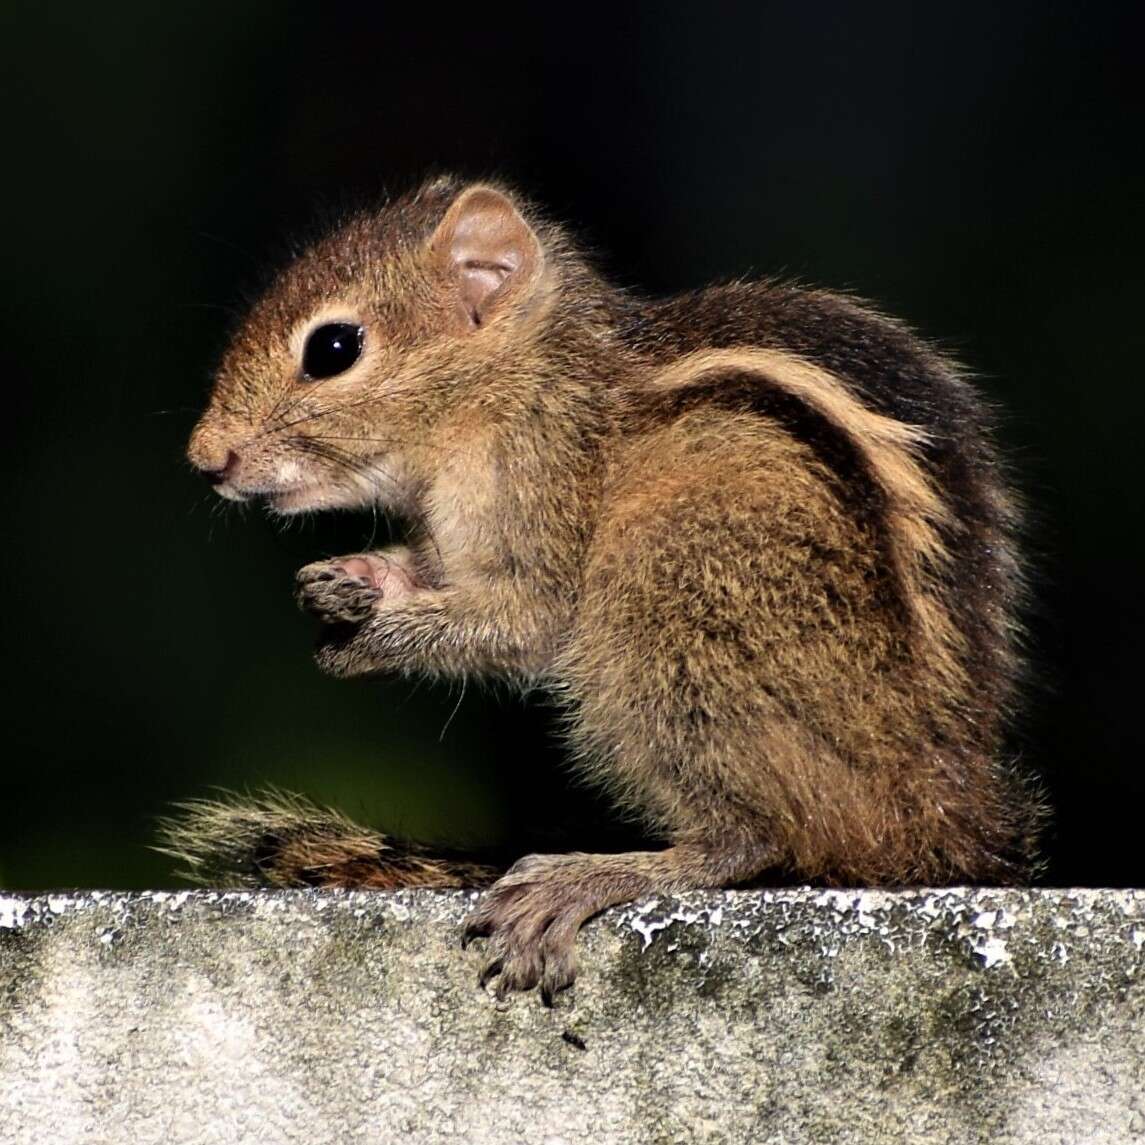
column 772, row 1015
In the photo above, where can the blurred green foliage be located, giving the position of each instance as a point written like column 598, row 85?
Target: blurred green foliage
column 974, row 169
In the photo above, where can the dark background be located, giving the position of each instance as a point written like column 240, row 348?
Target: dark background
column 975, row 169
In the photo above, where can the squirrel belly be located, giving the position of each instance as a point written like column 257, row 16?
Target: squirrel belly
column 756, row 539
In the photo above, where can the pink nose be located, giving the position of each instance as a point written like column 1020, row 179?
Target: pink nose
column 218, row 474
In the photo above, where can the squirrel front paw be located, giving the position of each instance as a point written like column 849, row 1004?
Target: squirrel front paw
column 346, row 590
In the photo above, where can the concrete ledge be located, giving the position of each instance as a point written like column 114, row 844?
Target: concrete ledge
column 753, row 1016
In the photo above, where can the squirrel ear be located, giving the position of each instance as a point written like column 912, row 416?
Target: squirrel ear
column 487, row 251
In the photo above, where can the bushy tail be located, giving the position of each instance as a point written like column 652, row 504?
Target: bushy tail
column 275, row 839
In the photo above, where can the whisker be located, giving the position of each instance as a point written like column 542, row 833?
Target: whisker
column 400, row 439
column 346, row 462
column 228, row 244
column 314, row 414
column 373, row 472
column 380, row 393
column 456, row 709
column 293, row 398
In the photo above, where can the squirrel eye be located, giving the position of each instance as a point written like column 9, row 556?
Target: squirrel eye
column 331, row 350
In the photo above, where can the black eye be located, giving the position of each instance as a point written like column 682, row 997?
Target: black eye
column 331, row 349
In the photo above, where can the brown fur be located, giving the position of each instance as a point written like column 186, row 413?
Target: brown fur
column 279, row 839
column 755, row 539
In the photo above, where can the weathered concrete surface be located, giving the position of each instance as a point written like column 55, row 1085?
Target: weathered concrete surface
column 756, row 1016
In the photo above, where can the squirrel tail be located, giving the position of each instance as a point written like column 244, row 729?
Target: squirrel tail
column 277, row 839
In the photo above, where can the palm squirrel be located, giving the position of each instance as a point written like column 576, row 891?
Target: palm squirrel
column 755, row 540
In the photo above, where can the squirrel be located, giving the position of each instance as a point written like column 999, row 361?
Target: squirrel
column 756, row 540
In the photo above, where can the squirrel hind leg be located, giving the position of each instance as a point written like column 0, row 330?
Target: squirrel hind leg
column 531, row 916
column 280, row 840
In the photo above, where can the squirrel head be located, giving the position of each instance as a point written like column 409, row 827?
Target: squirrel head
column 384, row 343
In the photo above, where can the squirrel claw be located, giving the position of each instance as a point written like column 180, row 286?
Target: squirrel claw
column 471, row 932
column 531, row 918
column 488, row 972
column 336, row 594
column 347, row 590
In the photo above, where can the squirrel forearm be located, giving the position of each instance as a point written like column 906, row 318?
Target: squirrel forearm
column 448, row 631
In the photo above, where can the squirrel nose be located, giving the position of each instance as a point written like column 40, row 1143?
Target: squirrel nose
column 216, row 475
